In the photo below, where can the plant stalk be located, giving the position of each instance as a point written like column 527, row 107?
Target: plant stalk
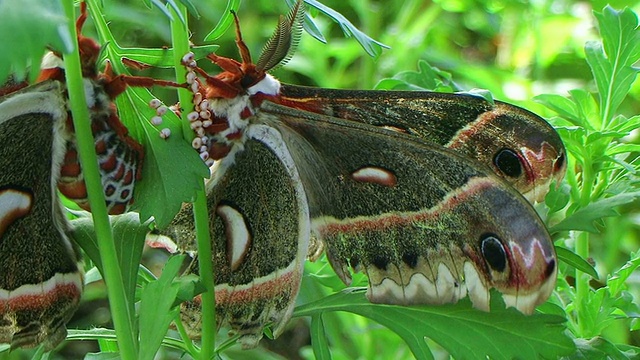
column 120, row 309
column 180, row 39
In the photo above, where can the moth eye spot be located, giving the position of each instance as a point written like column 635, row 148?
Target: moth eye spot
column 354, row 262
column 237, row 234
column 508, row 162
column 411, row 259
column 493, row 252
column 375, row 175
column 380, row 262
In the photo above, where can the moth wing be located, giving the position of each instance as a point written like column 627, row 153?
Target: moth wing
column 425, row 224
column 259, row 225
column 40, row 278
column 516, row 144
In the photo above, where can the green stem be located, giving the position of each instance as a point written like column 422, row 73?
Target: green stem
column 582, row 282
column 582, row 244
column 180, row 38
column 121, row 312
column 188, row 344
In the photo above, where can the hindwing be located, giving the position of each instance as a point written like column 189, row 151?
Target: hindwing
column 259, row 224
column 41, row 280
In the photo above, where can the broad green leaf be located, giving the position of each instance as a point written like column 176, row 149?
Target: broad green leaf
column 172, row 170
column 584, row 219
column 27, row 28
column 128, row 236
column 558, row 197
column 466, row 333
column 427, row 78
column 587, row 108
column 623, row 124
column 566, row 108
column 622, row 148
column 157, row 308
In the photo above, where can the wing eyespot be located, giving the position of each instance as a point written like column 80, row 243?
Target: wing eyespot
column 508, row 162
column 493, row 252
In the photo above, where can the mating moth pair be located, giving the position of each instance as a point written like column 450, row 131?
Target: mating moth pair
column 422, row 191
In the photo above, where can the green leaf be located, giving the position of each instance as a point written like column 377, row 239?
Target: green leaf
column 371, row 46
column 427, row 78
column 158, row 309
column 584, row 218
column 319, row 339
column 561, row 105
column 587, row 107
column 617, row 280
column 466, row 333
column 574, row 260
column 600, row 348
column 128, row 235
column 558, row 197
column 612, row 60
column 160, row 58
column 225, row 21
column 27, row 28
column 172, row 170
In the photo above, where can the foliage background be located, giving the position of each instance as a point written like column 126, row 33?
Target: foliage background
column 515, row 49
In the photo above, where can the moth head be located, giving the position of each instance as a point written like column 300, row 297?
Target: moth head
column 237, row 76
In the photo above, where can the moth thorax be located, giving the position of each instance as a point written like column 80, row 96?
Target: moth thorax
column 97, row 98
column 268, row 86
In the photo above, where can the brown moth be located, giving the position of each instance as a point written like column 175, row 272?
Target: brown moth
column 40, row 271
column 426, row 224
column 119, row 155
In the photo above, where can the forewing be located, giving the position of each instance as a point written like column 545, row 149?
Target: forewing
column 516, row 144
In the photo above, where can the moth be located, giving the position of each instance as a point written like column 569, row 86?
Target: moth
column 120, row 156
column 41, row 279
column 40, row 271
column 372, row 180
